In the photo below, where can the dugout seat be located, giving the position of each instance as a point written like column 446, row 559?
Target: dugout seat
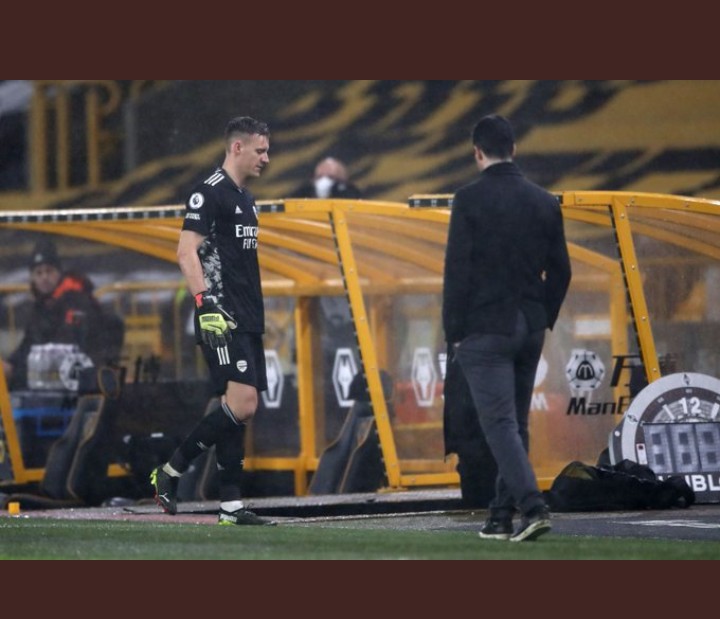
column 353, row 462
column 76, row 467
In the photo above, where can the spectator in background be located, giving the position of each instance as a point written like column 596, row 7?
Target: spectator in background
column 331, row 180
column 64, row 311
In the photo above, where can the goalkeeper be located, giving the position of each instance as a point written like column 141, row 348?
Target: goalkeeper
column 218, row 256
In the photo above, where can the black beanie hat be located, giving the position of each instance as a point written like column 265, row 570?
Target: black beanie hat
column 45, row 252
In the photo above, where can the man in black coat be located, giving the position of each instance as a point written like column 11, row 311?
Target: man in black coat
column 507, row 272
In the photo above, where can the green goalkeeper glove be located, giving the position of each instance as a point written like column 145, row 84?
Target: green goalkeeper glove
column 216, row 324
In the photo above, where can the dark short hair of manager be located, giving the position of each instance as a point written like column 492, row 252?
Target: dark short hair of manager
column 494, row 135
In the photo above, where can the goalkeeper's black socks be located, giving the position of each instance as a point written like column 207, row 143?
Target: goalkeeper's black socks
column 230, row 451
column 213, row 427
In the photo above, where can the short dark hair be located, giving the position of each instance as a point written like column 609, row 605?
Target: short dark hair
column 494, row 135
column 244, row 125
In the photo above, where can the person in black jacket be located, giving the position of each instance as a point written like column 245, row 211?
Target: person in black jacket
column 64, row 311
column 507, row 272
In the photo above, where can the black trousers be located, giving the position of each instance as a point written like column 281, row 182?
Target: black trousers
column 500, row 371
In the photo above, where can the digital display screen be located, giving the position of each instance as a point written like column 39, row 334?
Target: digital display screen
column 682, row 448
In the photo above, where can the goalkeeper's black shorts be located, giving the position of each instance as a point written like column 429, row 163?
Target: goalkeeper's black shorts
column 241, row 361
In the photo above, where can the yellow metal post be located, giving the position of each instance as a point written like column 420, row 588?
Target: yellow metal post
column 366, row 344
column 619, row 321
column 93, row 137
column 11, row 437
column 306, row 393
column 631, row 268
column 380, row 317
column 62, row 144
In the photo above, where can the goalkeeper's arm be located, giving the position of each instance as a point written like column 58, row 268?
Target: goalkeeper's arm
column 215, row 323
column 189, row 261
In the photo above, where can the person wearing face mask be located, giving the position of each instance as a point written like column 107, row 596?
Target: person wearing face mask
column 331, row 180
column 64, row 311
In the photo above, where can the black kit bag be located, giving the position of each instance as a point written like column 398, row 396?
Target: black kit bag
column 624, row 486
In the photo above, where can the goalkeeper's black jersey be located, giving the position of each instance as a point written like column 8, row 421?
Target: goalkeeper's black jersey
column 226, row 216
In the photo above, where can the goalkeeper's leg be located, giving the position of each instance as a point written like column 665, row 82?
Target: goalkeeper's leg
column 247, row 377
column 230, row 451
column 207, row 433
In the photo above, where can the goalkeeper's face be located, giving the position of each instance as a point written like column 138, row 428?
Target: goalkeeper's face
column 253, row 156
column 44, row 279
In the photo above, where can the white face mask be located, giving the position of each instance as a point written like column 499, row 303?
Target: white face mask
column 323, row 187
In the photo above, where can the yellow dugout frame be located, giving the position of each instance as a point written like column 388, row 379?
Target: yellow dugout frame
column 370, row 250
